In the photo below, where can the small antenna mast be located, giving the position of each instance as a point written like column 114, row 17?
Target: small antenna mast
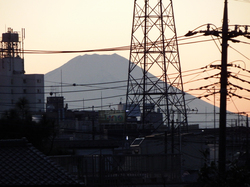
column 23, row 37
column 61, row 83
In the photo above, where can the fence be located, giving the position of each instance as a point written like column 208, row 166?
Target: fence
column 123, row 170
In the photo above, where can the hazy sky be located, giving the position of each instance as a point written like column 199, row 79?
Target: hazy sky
column 95, row 24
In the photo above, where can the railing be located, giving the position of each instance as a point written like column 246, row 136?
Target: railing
column 122, row 170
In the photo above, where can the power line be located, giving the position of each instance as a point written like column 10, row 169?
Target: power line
column 123, row 86
column 122, row 48
column 239, row 52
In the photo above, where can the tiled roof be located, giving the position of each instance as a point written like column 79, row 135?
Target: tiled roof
column 23, row 165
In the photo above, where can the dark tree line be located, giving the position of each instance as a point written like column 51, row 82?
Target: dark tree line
column 17, row 123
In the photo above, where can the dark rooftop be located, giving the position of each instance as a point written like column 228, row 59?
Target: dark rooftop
column 21, row 164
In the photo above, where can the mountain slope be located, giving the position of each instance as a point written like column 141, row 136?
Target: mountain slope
column 87, row 72
column 100, row 81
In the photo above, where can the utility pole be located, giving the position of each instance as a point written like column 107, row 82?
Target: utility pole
column 93, row 123
column 214, row 129
column 223, row 88
column 247, row 144
column 226, row 35
column 223, row 94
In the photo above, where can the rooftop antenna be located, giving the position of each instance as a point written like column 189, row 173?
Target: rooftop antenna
column 61, row 84
column 23, row 37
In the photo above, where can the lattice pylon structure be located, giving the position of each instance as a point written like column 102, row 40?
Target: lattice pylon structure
column 154, row 49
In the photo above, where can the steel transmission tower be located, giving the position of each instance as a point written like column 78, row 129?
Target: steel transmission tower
column 154, row 49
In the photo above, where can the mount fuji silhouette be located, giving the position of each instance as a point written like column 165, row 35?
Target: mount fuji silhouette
column 99, row 82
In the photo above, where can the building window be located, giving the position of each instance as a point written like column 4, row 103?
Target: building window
column 38, row 90
column 38, row 80
column 11, row 91
column 24, row 81
column 11, row 81
column 12, row 101
column 39, row 100
column 24, row 90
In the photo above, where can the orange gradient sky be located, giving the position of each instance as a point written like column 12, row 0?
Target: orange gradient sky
column 95, row 24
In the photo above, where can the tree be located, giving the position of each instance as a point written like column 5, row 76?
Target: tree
column 235, row 175
column 17, row 123
column 22, row 105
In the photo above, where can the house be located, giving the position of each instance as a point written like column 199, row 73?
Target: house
column 23, row 165
column 190, row 149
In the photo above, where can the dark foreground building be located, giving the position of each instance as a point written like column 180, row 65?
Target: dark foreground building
column 23, row 165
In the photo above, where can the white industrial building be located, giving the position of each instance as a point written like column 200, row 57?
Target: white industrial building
column 14, row 82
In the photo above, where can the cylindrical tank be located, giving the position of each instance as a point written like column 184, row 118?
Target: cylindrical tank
column 10, row 37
